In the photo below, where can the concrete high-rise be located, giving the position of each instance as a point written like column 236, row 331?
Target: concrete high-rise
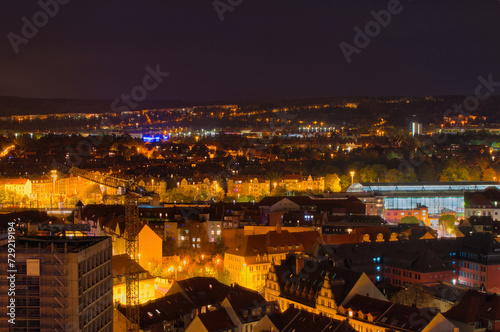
column 59, row 284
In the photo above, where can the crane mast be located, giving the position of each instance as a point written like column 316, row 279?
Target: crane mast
column 132, row 193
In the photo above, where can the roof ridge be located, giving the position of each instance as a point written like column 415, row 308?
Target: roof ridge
column 382, row 315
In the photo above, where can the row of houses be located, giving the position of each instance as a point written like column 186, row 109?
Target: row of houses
column 49, row 190
column 340, row 300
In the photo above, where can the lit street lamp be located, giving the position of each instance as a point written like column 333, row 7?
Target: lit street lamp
column 352, row 177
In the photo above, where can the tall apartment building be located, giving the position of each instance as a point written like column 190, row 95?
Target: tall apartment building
column 61, row 284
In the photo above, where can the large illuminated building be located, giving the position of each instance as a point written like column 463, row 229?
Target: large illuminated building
column 248, row 185
column 61, row 284
column 436, row 196
column 249, row 260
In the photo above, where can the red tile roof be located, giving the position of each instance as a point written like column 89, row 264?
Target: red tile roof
column 16, row 181
column 261, row 244
column 475, row 306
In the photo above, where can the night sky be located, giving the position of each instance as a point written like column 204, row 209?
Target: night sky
column 263, row 49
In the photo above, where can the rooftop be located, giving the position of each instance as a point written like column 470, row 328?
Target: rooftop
column 73, row 244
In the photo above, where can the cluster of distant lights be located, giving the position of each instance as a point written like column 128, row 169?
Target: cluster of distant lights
column 158, row 138
column 317, row 129
column 154, row 138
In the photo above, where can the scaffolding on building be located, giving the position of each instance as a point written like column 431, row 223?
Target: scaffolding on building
column 59, row 287
column 42, row 286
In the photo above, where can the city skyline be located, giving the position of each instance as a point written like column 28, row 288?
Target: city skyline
column 233, row 165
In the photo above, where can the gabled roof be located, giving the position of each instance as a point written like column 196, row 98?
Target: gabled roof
column 419, row 255
column 113, row 223
column 475, row 306
column 202, row 290
column 446, row 291
column 305, row 286
column 417, row 259
column 271, row 200
column 168, row 308
column 217, row 320
column 16, row 181
column 295, row 320
column 390, row 315
column 120, row 264
column 483, row 244
column 120, row 268
column 308, row 239
column 367, row 305
column 483, row 198
column 261, row 244
column 243, row 300
column 405, row 317
column 479, row 201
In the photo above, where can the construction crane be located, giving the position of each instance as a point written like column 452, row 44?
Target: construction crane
column 132, row 192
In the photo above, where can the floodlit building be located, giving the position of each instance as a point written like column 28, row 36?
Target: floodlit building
column 437, row 196
column 421, row 212
column 318, row 288
column 19, row 186
column 61, row 284
column 198, row 186
column 146, row 280
column 42, row 189
column 250, row 259
column 416, row 129
column 156, row 185
column 296, row 182
column 242, row 185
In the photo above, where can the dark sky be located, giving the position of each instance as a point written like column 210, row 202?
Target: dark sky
column 264, row 49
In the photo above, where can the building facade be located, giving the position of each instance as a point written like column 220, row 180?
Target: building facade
column 297, row 182
column 484, row 203
column 249, row 260
column 61, row 284
column 248, row 186
column 421, row 212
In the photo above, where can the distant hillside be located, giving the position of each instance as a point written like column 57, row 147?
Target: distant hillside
column 23, row 106
column 396, row 110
